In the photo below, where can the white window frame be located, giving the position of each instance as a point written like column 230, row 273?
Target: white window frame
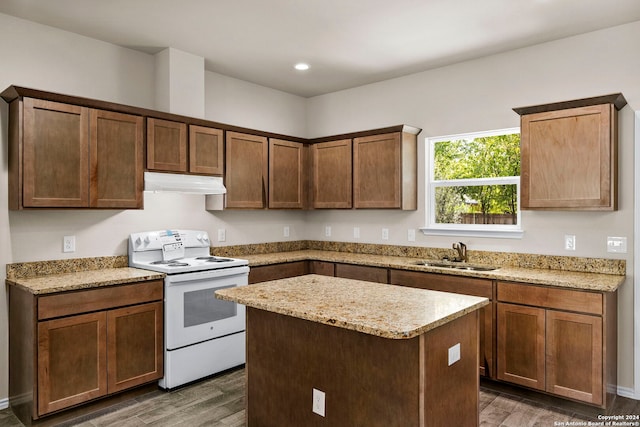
column 513, row 231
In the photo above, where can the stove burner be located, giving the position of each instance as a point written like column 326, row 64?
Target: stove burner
column 213, row 259
column 171, row 263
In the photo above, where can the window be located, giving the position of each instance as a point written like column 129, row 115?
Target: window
column 473, row 184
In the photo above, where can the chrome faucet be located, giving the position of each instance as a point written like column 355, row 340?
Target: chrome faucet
column 462, row 252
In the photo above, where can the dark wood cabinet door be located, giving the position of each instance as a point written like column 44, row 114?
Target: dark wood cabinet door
column 287, row 171
column 206, row 150
column 72, row 361
column 246, row 172
column 377, row 171
column 521, row 345
column 56, row 154
column 135, row 346
column 332, row 179
column 166, row 145
column 116, row 154
column 574, row 356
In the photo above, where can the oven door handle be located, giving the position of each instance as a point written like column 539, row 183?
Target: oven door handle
column 207, row 275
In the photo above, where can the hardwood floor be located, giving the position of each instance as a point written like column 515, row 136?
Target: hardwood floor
column 219, row 401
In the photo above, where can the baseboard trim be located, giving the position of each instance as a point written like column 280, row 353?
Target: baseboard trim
column 4, row 403
column 628, row 392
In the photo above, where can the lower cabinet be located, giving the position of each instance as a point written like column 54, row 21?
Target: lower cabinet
column 544, row 346
column 362, row 272
column 264, row 273
column 556, row 340
column 465, row 286
column 88, row 344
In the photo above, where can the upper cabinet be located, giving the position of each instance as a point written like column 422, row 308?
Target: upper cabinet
column 287, row 174
column 569, row 158
column 116, row 154
column 70, row 156
column 72, row 152
column 385, row 170
column 171, row 149
column 374, row 169
column 331, row 181
column 166, row 145
column 206, row 150
column 246, row 170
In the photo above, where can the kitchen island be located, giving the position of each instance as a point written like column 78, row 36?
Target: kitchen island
column 326, row 351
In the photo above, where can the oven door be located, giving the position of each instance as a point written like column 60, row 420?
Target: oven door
column 193, row 314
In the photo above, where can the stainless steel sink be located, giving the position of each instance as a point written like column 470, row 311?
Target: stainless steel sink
column 459, row 266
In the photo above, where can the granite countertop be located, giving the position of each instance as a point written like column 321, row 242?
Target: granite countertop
column 387, row 311
column 47, row 284
column 542, row 276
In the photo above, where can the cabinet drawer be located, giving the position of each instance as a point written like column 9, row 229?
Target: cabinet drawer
column 542, row 296
column 67, row 303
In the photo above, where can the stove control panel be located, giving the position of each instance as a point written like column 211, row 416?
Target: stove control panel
column 168, row 241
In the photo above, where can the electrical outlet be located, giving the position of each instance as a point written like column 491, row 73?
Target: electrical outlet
column 318, row 402
column 385, row 234
column 411, row 235
column 69, row 244
column 222, row 234
column 327, row 231
column 454, row 354
column 570, row 242
column 285, row 231
column 617, row 244
column 356, row 232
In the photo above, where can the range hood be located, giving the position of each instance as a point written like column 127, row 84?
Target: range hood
column 193, row 184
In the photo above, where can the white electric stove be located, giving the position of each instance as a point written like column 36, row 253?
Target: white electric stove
column 203, row 335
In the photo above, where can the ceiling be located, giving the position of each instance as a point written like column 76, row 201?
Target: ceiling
column 347, row 43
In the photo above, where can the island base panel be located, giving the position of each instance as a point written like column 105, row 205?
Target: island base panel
column 367, row 380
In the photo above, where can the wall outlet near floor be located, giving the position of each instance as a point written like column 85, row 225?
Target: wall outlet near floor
column 385, row 234
column 222, row 234
column 69, row 244
column 454, row 354
column 318, row 402
column 617, row 244
column 570, row 242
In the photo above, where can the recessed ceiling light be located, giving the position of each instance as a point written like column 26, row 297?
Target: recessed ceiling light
column 301, row 66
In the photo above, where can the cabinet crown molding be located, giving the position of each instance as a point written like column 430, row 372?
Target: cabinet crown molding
column 617, row 99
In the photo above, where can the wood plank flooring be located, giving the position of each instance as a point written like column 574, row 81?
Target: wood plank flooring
column 219, row 402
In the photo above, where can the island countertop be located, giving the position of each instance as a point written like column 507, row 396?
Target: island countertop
column 386, row 311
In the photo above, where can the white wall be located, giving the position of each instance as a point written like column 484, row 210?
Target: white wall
column 475, row 95
column 41, row 57
column 479, row 95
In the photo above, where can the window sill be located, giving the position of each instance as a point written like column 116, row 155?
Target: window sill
column 499, row 234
